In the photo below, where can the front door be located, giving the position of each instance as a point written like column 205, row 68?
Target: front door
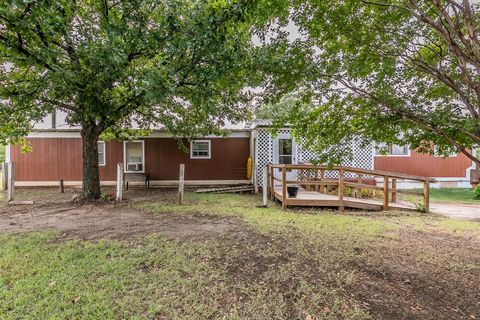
column 285, row 154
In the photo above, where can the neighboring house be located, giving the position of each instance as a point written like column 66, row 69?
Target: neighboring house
column 212, row 160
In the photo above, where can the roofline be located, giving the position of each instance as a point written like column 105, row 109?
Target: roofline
column 153, row 131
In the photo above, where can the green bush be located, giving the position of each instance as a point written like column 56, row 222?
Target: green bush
column 476, row 192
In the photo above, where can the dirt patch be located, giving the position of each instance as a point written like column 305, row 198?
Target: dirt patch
column 456, row 210
column 421, row 275
column 415, row 276
column 105, row 219
column 402, row 274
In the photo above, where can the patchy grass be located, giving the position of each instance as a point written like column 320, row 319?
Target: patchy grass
column 273, row 218
column 272, row 264
column 158, row 278
column 458, row 195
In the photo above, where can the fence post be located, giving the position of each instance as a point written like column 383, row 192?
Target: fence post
column 385, row 193
column 394, row 190
column 11, row 181
column 341, row 190
column 254, row 178
column 322, row 176
column 5, row 176
column 62, row 188
column 426, row 195
column 119, row 195
column 284, row 187
column 265, row 186
column 359, row 181
column 272, row 182
column 181, row 183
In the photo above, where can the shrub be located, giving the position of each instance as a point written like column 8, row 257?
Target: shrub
column 476, row 192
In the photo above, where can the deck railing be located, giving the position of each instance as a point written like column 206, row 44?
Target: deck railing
column 314, row 178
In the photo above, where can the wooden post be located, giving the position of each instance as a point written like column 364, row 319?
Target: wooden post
column 3, row 182
column 311, row 177
column 254, row 178
column 316, row 180
column 5, row 175
column 265, row 186
column 119, row 193
column 426, row 195
column 62, row 188
column 394, row 190
column 385, row 193
column 284, row 187
column 341, row 190
column 302, row 177
column 11, row 181
column 322, row 176
column 181, row 183
column 272, row 182
column 359, row 181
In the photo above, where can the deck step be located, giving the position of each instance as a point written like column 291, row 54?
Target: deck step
column 229, row 189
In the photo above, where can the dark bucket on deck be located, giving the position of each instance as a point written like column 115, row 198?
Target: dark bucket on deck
column 292, row 191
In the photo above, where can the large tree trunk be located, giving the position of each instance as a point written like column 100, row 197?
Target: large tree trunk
column 91, row 177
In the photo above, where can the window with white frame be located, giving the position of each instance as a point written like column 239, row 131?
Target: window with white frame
column 436, row 153
column 134, row 156
column 101, row 153
column 200, row 149
column 393, row 150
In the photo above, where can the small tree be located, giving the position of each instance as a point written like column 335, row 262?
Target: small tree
column 114, row 63
column 394, row 71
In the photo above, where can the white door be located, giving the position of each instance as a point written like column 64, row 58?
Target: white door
column 285, row 151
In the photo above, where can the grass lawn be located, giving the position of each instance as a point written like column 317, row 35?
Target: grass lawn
column 270, row 264
column 458, row 195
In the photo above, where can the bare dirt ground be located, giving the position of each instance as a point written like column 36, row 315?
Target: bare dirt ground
column 456, row 210
column 415, row 274
column 103, row 219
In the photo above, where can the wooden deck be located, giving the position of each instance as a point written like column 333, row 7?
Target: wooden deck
column 315, row 187
column 316, row 199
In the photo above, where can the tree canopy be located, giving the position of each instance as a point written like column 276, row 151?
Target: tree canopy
column 392, row 71
column 182, row 65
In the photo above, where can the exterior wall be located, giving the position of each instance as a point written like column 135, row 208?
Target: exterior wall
column 425, row 165
column 54, row 159
column 265, row 153
column 228, row 160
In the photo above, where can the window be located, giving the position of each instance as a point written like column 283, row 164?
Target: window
column 134, row 156
column 450, row 155
column 200, row 149
column 101, row 153
column 285, row 151
column 393, row 150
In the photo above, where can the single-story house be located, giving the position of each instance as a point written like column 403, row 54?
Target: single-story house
column 213, row 160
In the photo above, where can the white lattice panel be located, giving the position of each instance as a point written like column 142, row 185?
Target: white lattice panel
column 265, row 151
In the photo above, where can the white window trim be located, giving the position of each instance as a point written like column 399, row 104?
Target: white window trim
column 201, row 157
column 104, row 154
column 125, row 156
column 409, row 154
column 436, row 155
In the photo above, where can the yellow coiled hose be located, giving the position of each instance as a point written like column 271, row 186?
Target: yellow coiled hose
column 249, row 167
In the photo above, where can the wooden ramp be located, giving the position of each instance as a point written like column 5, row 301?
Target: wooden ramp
column 315, row 199
column 322, row 186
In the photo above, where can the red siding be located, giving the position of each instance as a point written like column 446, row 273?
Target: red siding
column 425, row 165
column 228, row 160
column 53, row 159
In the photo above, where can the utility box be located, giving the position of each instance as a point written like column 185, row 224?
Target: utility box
column 475, row 177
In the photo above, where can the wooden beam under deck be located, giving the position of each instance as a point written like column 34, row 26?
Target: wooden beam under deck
column 316, row 199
